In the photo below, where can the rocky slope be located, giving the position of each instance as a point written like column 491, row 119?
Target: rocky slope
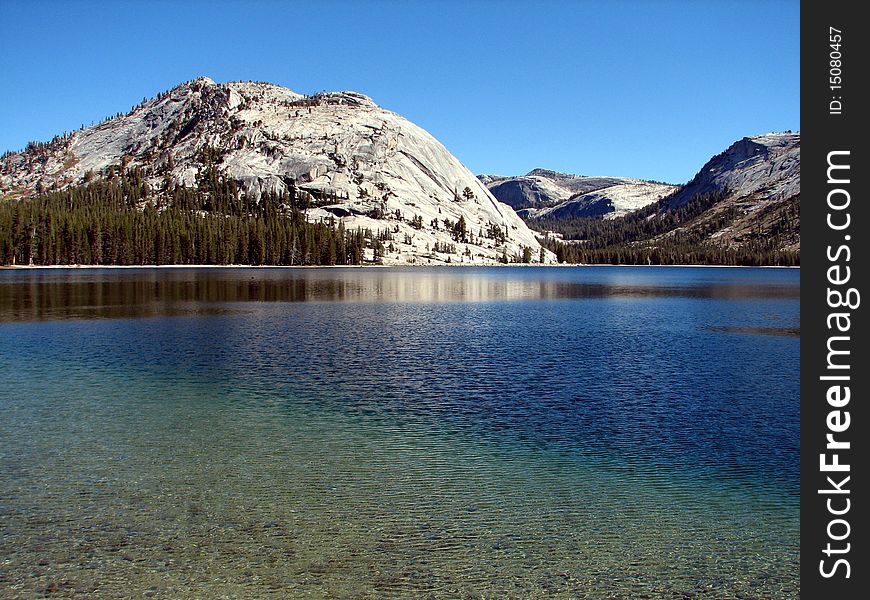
column 544, row 194
column 609, row 203
column 759, row 179
column 353, row 160
column 742, row 207
column 765, row 168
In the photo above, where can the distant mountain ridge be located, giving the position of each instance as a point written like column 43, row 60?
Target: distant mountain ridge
column 352, row 161
column 546, row 194
column 742, row 207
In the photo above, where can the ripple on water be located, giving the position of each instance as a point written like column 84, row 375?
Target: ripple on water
column 511, row 446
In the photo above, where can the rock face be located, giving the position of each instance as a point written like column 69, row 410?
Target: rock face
column 759, row 179
column 542, row 188
column 610, row 202
column 765, row 168
column 544, row 194
column 355, row 161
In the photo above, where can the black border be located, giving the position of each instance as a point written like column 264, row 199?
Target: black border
column 821, row 133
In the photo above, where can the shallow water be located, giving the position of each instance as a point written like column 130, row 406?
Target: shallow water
column 506, row 432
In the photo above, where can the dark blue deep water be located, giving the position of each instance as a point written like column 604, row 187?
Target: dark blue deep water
column 585, row 432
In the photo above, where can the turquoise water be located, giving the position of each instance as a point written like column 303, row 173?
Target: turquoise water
column 591, row 433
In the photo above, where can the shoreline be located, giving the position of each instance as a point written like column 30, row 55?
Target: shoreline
column 408, row 266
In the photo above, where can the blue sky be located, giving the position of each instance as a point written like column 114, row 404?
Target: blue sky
column 649, row 89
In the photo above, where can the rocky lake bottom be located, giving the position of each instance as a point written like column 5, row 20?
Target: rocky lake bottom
column 585, row 432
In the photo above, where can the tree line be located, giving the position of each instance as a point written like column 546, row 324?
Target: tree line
column 120, row 220
column 669, row 253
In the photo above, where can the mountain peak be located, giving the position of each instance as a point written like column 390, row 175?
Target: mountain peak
column 194, row 85
column 777, row 139
column 765, row 168
column 549, row 173
column 350, row 160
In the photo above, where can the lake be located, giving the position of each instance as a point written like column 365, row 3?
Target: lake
column 565, row 432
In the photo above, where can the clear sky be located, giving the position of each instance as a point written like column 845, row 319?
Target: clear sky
column 648, row 89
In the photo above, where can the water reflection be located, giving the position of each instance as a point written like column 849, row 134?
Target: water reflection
column 116, row 293
column 788, row 331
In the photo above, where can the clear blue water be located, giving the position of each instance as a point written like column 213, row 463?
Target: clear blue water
column 593, row 432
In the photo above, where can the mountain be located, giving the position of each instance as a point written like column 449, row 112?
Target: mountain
column 610, row 202
column 742, row 207
column 545, row 194
column 764, row 168
column 542, row 187
column 760, row 180
column 344, row 158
